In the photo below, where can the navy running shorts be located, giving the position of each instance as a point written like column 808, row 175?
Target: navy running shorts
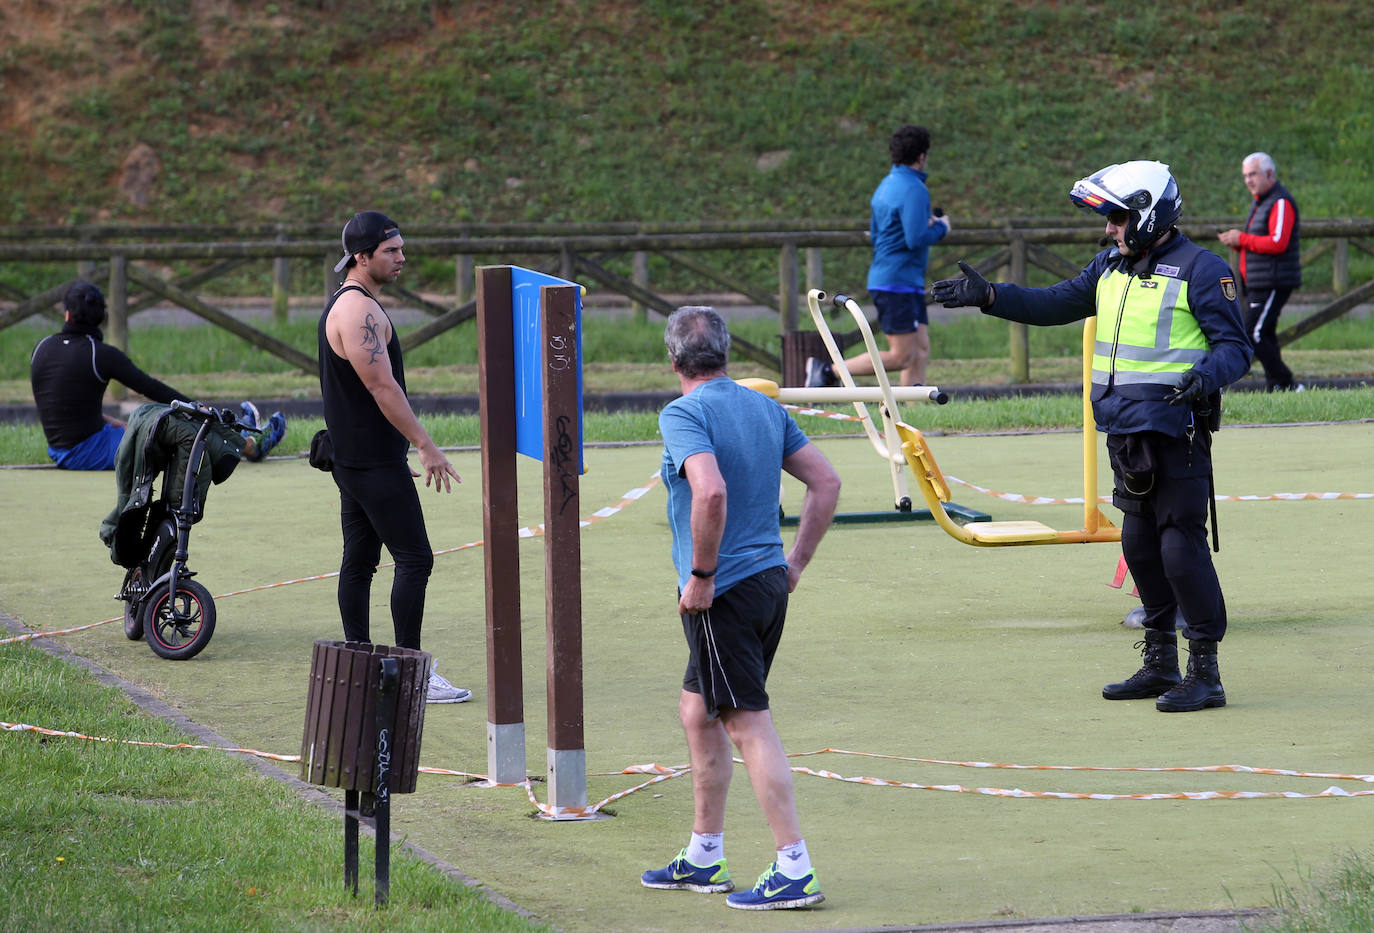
column 900, row 312
column 731, row 645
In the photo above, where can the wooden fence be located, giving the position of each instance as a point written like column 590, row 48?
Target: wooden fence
column 580, row 252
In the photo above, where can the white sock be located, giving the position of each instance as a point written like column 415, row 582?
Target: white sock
column 794, row 861
column 706, row 848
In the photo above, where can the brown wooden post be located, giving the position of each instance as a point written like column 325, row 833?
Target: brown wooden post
column 639, row 274
column 1019, row 333
column 500, row 553
column 117, row 306
column 814, row 275
column 464, row 284
column 331, row 278
column 787, row 287
column 85, row 268
column 281, row 285
column 567, row 755
column 1340, row 267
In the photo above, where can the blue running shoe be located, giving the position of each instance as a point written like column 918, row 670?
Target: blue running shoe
column 248, row 414
column 270, row 437
column 776, row 891
column 682, row 875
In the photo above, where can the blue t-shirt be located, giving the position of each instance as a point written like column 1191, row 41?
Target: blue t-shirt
column 901, row 232
column 750, row 436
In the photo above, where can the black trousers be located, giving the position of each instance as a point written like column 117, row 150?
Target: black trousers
column 1164, row 530
column 380, row 505
column 1261, row 323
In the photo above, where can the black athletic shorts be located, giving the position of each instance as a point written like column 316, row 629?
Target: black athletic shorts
column 732, row 644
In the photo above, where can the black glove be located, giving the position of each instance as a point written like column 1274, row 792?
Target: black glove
column 1188, row 391
column 972, row 291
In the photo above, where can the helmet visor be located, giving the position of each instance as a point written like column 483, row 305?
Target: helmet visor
column 1091, row 195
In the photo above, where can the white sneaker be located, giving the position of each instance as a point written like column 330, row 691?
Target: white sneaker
column 441, row 691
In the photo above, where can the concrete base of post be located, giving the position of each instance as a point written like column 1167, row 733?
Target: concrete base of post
column 506, row 753
column 567, row 777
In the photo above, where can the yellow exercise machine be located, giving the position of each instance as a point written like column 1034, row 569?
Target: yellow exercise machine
column 901, row 444
column 886, row 442
column 1096, row 526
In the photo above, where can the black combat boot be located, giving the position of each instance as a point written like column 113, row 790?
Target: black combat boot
column 1158, row 674
column 1202, row 687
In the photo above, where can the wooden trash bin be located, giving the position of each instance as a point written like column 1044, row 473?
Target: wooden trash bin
column 339, row 747
column 364, row 714
column 797, row 345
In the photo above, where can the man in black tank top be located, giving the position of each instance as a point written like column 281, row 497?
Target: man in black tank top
column 372, row 426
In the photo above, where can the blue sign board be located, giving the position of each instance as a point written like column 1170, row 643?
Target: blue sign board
column 530, row 360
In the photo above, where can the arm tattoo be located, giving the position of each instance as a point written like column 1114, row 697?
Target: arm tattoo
column 372, row 339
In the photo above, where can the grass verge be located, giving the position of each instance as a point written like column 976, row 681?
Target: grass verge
column 1339, row 900
column 194, row 840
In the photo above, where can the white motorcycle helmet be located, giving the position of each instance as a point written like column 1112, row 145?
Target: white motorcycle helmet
column 1145, row 190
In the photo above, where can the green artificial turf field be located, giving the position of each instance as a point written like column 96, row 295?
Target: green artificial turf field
column 901, row 642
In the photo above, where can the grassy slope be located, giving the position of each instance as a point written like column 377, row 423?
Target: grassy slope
column 597, row 109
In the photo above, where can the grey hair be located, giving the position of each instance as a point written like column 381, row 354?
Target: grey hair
column 1266, row 161
column 697, row 339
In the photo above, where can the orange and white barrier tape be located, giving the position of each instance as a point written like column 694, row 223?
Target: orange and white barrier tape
column 25, row 727
column 662, row 773
column 532, row 531
column 1078, row 500
column 29, row 636
column 1332, row 791
column 820, row 413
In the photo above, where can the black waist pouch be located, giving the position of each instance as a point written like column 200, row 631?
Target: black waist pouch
column 1133, row 463
column 322, row 451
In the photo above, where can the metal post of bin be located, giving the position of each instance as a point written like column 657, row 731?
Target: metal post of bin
column 386, row 712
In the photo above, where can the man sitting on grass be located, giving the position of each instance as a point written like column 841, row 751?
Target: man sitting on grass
column 69, row 372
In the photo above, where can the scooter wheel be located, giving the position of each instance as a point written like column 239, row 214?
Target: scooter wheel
column 133, row 604
column 179, row 626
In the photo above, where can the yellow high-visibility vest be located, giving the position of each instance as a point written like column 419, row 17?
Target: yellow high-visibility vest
column 1145, row 332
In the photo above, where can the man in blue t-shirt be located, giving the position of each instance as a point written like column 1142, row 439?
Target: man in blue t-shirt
column 725, row 448
column 902, row 228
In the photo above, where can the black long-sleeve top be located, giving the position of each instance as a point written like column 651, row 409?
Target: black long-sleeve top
column 69, row 371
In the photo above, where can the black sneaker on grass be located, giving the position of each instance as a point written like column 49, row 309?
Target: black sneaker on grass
column 818, row 373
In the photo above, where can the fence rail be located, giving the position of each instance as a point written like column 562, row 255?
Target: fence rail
column 1013, row 247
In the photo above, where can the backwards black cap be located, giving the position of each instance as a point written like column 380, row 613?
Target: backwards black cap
column 364, row 232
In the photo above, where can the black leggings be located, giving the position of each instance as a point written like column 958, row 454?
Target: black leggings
column 380, row 505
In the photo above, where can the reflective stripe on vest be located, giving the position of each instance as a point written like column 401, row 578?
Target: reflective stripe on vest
column 1145, row 332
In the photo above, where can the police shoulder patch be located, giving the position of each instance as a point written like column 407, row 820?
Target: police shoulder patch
column 1228, row 287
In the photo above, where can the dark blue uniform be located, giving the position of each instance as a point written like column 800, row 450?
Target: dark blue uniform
column 1161, row 455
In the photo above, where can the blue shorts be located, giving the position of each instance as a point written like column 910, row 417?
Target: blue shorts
column 732, row 644
column 96, row 452
column 900, row 312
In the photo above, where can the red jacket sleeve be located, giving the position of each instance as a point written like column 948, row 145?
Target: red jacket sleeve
column 1281, row 220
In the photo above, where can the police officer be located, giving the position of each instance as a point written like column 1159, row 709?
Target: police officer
column 1169, row 338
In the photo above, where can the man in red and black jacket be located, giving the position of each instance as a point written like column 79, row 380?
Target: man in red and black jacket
column 1270, row 267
